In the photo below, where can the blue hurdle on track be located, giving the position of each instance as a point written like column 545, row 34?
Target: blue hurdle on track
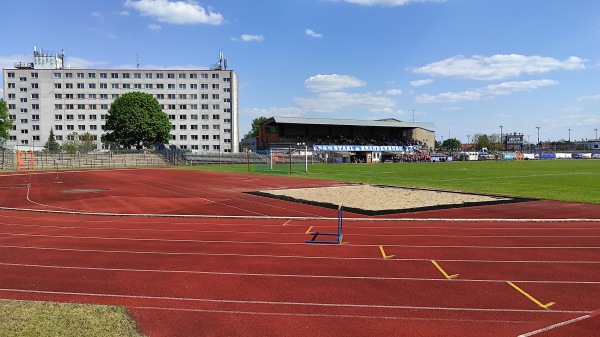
column 337, row 235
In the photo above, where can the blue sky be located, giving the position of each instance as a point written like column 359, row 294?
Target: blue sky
column 468, row 66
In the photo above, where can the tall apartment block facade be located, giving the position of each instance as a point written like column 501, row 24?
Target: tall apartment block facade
column 202, row 105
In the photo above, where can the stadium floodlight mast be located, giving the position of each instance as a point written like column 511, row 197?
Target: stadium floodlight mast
column 305, row 156
column 596, row 133
column 469, row 140
column 538, row 127
column 501, row 136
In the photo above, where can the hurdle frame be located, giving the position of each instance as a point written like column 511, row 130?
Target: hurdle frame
column 339, row 235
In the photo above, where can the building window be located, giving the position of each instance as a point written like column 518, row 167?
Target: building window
column 92, row 96
column 80, row 117
column 114, row 86
column 204, row 137
column 216, row 127
column 70, row 117
column 160, row 75
column 103, row 75
column 58, row 127
column 125, row 75
column 137, row 75
column 92, row 85
column 103, row 86
column 68, row 75
column 181, row 75
column 91, row 75
column 80, row 86
column 71, row 127
column 114, row 75
column 80, row 75
column 80, row 96
column 148, row 75
column 203, row 85
column 215, row 86
column 182, row 86
column 215, row 75
column 34, row 86
column 148, row 85
column 57, row 75
column 57, row 85
column 137, row 86
column 216, row 117
column 126, row 86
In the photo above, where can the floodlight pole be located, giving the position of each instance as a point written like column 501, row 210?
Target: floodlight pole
column 290, row 158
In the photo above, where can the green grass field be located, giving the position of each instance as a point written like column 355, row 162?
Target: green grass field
column 564, row 180
column 35, row 319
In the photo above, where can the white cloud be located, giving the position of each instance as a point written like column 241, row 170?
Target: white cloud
column 419, row 83
column 332, row 82
column 447, row 97
column 589, row 98
column 498, row 66
column 507, row 88
column 334, row 101
column 394, row 92
column 388, row 3
column 176, row 12
column 96, row 14
column 312, row 33
column 124, row 13
column 154, row 27
column 251, row 38
column 489, row 91
column 77, row 62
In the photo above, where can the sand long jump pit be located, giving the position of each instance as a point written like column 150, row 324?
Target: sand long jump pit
column 381, row 200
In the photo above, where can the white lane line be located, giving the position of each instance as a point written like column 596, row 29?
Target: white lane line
column 316, row 257
column 300, row 304
column 266, row 217
column 238, row 312
column 286, row 243
column 307, row 276
column 554, row 326
column 288, row 233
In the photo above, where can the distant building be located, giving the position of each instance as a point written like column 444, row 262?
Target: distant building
column 363, row 139
column 46, row 94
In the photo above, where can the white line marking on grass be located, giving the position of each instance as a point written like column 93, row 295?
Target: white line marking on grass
column 333, row 277
column 303, row 304
column 554, row 326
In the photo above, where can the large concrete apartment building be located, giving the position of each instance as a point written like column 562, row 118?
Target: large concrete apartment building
column 45, row 95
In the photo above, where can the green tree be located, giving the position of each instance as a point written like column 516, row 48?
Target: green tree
column 5, row 123
column 87, row 142
column 255, row 127
column 52, row 145
column 481, row 141
column 71, row 145
column 136, row 119
column 451, row 144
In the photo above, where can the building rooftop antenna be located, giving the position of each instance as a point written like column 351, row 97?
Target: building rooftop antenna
column 137, row 61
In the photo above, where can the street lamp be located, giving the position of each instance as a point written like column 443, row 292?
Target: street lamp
column 469, row 140
column 596, row 133
column 569, row 135
column 538, row 127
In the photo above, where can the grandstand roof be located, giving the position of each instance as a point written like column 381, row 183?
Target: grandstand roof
column 394, row 123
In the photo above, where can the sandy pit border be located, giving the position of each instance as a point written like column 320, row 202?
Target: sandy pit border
column 380, row 199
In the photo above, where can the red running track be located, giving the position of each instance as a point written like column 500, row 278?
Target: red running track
column 253, row 275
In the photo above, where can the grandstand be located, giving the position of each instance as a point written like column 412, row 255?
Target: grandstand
column 348, row 140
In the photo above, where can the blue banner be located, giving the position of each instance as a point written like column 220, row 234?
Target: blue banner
column 365, row 148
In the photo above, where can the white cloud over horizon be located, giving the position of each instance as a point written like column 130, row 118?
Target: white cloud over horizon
column 488, row 91
column 176, row 12
column 419, row 83
column 333, row 82
column 498, row 67
column 388, row 3
column 328, row 102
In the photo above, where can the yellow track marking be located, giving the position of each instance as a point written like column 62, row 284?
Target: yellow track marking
column 442, row 270
column 309, row 229
column 545, row 306
column 287, row 222
column 383, row 253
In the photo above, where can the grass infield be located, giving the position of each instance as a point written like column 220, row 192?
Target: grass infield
column 23, row 318
column 563, row 180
